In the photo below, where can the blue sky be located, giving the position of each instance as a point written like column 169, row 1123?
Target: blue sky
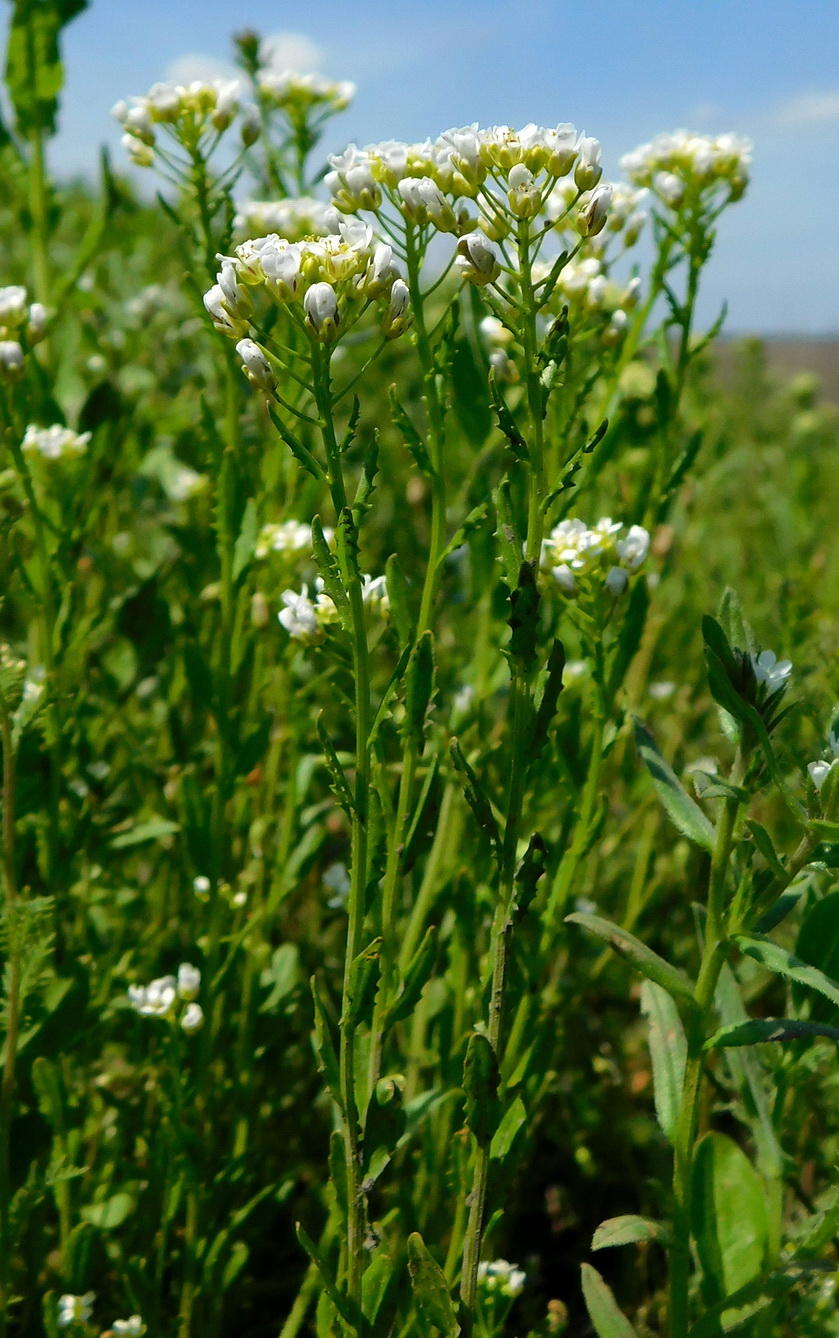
column 620, row 69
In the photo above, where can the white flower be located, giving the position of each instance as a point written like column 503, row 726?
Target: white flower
column 227, row 103
column 75, row 1309
column 155, row 999
column 374, row 590
column 564, row 577
column 132, row 1327
column 290, row 219
column 201, row 886
column 193, row 1019
column 256, row 366
column 321, row 307
column 189, row 981
column 54, row 442
column 588, row 171
column 477, row 259
column 397, row 318
column 524, row 195
column 500, row 1276
column 819, row 771
column 669, row 187
column 616, row 581
column 12, row 306
column 634, row 548
column 771, row 671
column 299, row 617
column 11, row 359
column 289, row 537
column 495, row 332
column 37, row 325
column 592, row 217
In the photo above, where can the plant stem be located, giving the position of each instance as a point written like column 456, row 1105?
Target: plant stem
column 713, row 957
column 358, row 884
column 13, row 1012
column 40, row 219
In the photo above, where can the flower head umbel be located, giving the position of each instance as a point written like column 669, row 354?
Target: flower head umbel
column 295, row 219
column 133, row 1327
column 191, row 114
column 22, row 324
column 581, row 557
column 74, row 1309
column 54, row 443
column 822, row 768
column 501, row 1278
column 682, row 164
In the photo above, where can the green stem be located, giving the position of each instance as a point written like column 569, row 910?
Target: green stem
column 355, row 928
column 13, row 1013
column 713, row 958
column 40, row 218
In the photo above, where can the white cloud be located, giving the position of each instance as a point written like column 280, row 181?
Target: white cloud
column 807, row 109
column 197, row 66
column 292, row 51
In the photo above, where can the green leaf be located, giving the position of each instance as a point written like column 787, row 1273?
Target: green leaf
column 245, row 546
column 376, row 1284
column 416, row 977
column 399, row 601
column 152, row 830
column 361, row 987
column 740, row 1306
column 469, row 393
column 298, row 450
column 470, row 524
column 818, row 945
column 630, row 1230
column 668, row 1051
column 763, row 843
column 750, row 1076
column 340, row 786
column 476, row 796
column 431, row 1293
column 283, row 976
column 419, row 689
column 708, row 785
column 341, row 1302
column 410, row 435
column 34, row 74
column 777, row 959
column 506, row 421
column 683, row 812
column 514, row 1119
column 109, row 1214
column 480, row 1083
column 330, row 572
column 608, row 1320
column 655, row 968
column 524, row 622
column 367, row 481
column 384, row 1124
column 760, row 1030
column 324, row 1046
column 730, row 1220
column 546, row 710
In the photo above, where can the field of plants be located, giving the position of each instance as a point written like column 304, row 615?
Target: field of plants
column 420, row 742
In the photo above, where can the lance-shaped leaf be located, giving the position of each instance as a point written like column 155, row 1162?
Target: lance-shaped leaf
column 416, row 977
column 34, row 74
column 324, row 1046
column 376, row 1285
column 760, row 1030
column 776, row 958
column 649, row 963
column 480, row 1083
column 346, row 544
column 367, row 481
column 505, row 419
column 470, row 524
column 339, row 784
column 546, row 710
column 682, row 810
column 630, row 1230
column 388, row 695
column 245, row 545
column 330, row 573
column 361, row 988
column 399, row 601
column 352, row 423
column 302, row 455
column 573, row 465
column 342, row 1303
column 740, row 1306
column 510, row 542
column 524, row 621
column 530, row 870
column 668, row 1051
column 384, row 1125
column 632, row 629
column 419, row 689
column 729, row 1217
column 410, row 435
column 513, row 1119
column 431, row 1293
column 476, row 796
column 608, row 1319
column 817, row 944
column 763, row 843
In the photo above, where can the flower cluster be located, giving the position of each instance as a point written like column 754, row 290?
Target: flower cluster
column 293, row 219
column 587, row 289
column 500, row 340
column 300, row 94
column 22, row 324
column 502, row 1278
column 305, row 619
column 132, row 1327
column 676, row 165
column 160, row 997
column 576, row 554
column 186, row 111
column 74, row 1309
column 611, row 209
column 292, row 536
column 55, row 442
column 332, row 278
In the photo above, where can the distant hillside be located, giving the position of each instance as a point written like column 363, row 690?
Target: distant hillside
column 788, row 357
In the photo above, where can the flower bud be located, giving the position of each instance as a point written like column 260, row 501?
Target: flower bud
column 588, row 170
column 477, row 259
column 670, row 188
column 251, row 125
column 382, row 272
column 523, row 195
column 139, row 153
column 37, row 325
column 592, row 217
column 398, row 315
column 189, row 981
column 193, row 1019
column 564, row 577
column 260, row 613
column 227, row 104
column 11, row 359
column 321, row 307
column 256, row 366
